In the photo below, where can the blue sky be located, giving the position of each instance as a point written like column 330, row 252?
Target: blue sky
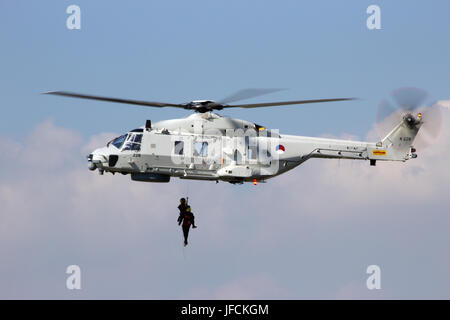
column 177, row 51
column 308, row 234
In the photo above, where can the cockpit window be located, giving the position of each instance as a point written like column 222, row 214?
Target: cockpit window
column 133, row 142
column 136, row 138
column 118, row 142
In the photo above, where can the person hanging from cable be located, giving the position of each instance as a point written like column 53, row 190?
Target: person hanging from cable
column 187, row 219
column 182, row 207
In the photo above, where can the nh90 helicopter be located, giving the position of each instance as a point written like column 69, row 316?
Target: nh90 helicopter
column 207, row 146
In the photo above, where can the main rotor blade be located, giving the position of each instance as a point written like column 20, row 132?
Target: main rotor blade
column 118, row 100
column 284, row 103
column 247, row 94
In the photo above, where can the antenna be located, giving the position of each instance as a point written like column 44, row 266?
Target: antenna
column 148, row 125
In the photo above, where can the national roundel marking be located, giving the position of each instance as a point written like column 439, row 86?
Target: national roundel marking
column 280, row 148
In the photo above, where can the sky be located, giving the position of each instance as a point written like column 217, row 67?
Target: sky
column 310, row 233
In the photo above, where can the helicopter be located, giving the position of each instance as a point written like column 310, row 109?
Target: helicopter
column 208, row 146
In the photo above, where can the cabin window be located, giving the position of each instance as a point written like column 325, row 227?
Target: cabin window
column 201, row 149
column 179, row 148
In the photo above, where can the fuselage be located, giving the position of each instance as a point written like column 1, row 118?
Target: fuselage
column 207, row 146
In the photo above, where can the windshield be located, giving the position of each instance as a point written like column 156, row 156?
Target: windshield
column 118, row 142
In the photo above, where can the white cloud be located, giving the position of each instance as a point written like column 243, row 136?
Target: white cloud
column 445, row 103
column 358, row 291
column 259, row 286
column 55, row 211
column 253, row 286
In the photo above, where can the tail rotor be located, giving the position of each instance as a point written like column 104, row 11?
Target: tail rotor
column 412, row 105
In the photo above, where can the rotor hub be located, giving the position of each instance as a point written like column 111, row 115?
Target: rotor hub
column 410, row 120
column 202, row 106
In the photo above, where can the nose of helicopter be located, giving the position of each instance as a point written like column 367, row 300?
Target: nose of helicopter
column 98, row 159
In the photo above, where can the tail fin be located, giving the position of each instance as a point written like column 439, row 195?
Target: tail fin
column 397, row 145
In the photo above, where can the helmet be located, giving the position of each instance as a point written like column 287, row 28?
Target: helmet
column 188, row 208
column 182, row 200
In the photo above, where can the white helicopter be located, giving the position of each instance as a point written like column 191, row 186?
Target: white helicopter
column 207, row 146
